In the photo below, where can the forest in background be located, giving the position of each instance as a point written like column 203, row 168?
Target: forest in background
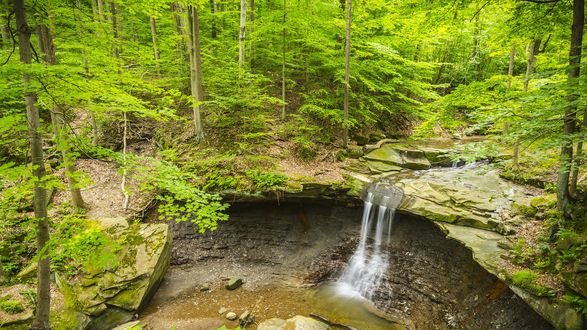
column 212, row 85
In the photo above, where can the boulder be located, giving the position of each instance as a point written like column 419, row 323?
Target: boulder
column 401, row 155
column 231, row 316
column 113, row 296
column 234, row 283
column 361, row 139
column 297, row 322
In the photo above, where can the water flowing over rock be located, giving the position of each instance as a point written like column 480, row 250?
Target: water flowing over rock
column 370, row 261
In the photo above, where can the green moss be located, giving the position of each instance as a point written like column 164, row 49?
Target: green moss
column 526, row 279
column 543, row 202
column 578, row 302
column 263, row 181
column 524, row 210
column 10, row 306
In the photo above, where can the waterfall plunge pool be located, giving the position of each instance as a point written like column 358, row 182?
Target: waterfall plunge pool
column 291, row 256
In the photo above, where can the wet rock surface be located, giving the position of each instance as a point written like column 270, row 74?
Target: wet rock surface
column 431, row 280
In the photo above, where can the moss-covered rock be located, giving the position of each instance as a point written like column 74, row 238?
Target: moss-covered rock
column 401, row 155
column 113, row 296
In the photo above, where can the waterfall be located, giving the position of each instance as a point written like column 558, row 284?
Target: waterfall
column 370, row 261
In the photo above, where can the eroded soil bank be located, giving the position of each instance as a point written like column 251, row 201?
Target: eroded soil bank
column 282, row 251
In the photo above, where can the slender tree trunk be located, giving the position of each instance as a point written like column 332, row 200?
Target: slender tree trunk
column 283, row 61
column 347, row 72
column 154, row 38
column 570, row 117
column 47, row 48
column 114, row 21
column 511, row 64
column 213, row 31
column 475, row 53
column 506, row 124
column 91, row 114
column 100, row 11
column 252, row 30
column 578, row 161
column 41, row 320
column 178, row 12
column 196, row 71
column 4, row 22
column 116, row 55
column 533, row 50
column 241, row 38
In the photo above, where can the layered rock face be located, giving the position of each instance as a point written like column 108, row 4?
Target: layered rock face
column 432, row 281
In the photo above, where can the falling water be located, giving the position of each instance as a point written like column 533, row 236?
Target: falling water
column 369, row 261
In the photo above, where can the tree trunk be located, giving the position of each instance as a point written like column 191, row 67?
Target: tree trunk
column 41, row 320
column 242, row 31
column 114, row 21
column 570, row 116
column 154, row 37
column 196, row 71
column 511, row 64
column 347, row 73
column 578, row 161
column 100, row 11
column 59, row 122
column 116, row 55
column 283, row 62
column 533, row 50
column 91, row 114
column 213, row 31
column 252, row 30
column 4, row 22
column 506, row 124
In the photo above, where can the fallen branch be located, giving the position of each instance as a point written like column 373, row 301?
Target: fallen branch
column 330, row 323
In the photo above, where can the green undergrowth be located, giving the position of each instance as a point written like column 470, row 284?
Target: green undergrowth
column 10, row 306
column 526, row 279
column 557, row 251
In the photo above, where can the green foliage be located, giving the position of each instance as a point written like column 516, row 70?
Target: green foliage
column 10, row 306
column 264, row 181
column 78, row 243
column 578, row 302
column 472, row 152
column 179, row 197
column 305, row 149
column 527, row 279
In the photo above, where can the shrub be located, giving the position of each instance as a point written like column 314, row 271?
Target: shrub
column 10, row 306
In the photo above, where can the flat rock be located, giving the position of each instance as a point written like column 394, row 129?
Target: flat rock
column 130, row 326
column 474, row 197
column 297, row 322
